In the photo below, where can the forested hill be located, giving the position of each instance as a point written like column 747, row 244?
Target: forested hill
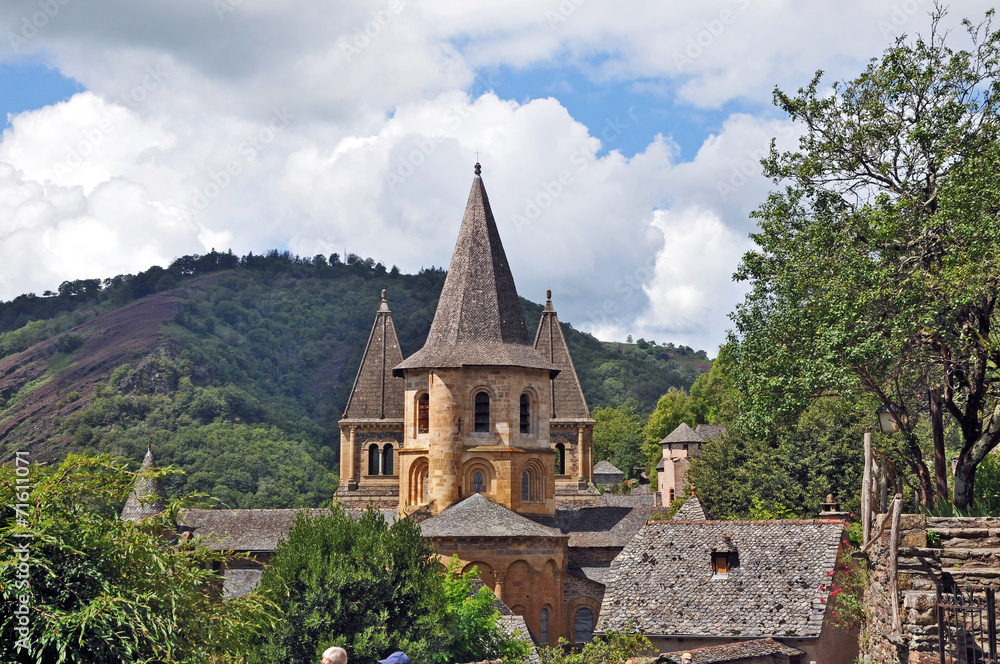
column 237, row 369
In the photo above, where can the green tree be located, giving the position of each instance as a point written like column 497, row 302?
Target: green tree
column 789, row 471
column 372, row 589
column 614, row 648
column 713, row 394
column 106, row 590
column 618, row 437
column 875, row 270
column 673, row 408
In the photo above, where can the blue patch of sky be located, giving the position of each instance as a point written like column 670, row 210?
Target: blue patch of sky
column 25, row 86
column 625, row 115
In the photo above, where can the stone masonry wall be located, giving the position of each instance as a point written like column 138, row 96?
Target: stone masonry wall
column 968, row 555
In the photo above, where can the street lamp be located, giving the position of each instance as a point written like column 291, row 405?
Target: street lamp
column 890, row 417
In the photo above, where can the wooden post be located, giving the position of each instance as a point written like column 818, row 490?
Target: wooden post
column 883, row 487
column 866, row 491
column 897, row 507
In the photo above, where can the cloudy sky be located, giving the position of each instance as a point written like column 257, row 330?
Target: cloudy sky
column 619, row 140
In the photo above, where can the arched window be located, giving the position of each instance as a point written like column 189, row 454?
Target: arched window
column 427, row 487
column 583, row 625
column 482, row 412
column 525, row 414
column 423, row 413
column 560, row 459
column 525, row 486
column 478, row 482
column 373, row 459
column 543, row 627
column 387, row 459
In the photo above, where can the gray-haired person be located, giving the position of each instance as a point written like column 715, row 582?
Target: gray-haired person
column 334, row 655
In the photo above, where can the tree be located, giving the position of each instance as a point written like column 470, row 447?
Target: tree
column 713, row 394
column 372, row 589
column 618, row 437
column 872, row 273
column 785, row 473
column 673, row 408
column 102, row 589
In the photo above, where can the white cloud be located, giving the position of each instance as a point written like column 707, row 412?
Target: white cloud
column 312, row 126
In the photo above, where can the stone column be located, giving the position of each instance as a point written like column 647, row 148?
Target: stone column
column 348, row 471
column 445, row 443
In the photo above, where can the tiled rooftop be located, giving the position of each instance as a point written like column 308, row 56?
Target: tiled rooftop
column 732, row 651
column 662, row 582
column 478, row 516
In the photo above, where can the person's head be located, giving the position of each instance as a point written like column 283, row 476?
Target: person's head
column 686, row 658
column 334, row 655
column 398, row 657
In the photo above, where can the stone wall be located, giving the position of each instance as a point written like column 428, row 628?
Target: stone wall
column 968, row 555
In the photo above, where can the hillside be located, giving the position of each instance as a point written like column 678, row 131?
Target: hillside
column 236, row 370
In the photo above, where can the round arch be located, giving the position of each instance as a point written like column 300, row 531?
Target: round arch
column 470, row 481
column 418, row 490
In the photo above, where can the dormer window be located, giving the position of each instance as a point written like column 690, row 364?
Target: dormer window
column 724, row 558
column 720, row 564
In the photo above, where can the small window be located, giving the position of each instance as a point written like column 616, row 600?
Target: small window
column 583, row 625
column 543, row 627
column 423, row 413
column 525, row 414
column 387, row 459
column 478, row 482
column 720, row 564
column 482, row 412
column 373, row 460
column 671, row 499
column 525, row 486
column 427, row 487
column 560, row 459
column 685, row 447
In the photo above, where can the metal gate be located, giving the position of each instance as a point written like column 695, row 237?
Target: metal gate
column 967, row 631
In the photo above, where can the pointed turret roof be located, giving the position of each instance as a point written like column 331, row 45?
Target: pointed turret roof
column 479, row 320
column 692, row 510
column 683, row 434
column 566, row 398
column 376, row 394
column 148, row 498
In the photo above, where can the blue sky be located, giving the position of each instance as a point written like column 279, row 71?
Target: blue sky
column 620, row 144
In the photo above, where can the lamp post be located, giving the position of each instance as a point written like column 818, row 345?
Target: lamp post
column 890, row 417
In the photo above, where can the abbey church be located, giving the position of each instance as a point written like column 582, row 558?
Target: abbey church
column 479, row 409
column 484, row 438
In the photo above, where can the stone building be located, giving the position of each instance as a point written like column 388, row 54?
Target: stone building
column 606, row 474
column 677, row 448
column 479, row 408
column 693, row 584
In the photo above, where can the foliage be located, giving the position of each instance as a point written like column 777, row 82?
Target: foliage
column 372, row 589
column 244, row 388
column 714, row 395
column 618, row 438
column 875, row 270
column 615, row 648
column 845, row 599
column 672, row 408
column 107, row 590
column 785, row 472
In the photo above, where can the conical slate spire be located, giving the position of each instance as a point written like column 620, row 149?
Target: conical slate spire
column 479, row 319
column 148, row 498
column 376, row 395
column 566, row 398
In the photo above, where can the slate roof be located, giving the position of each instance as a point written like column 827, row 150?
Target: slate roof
column 692, row 510
column 602, row 526
column 663, row 583
column 247, row 530
column 479, row 320
column 478, row 516
column 148, row 497
column 376, row 393
column 566, row 400
column 709, row 431
column 682, row 434
column 732, row 651
column 606, row 468
column 239, row 581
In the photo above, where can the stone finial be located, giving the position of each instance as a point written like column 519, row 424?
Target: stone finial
column 479, row 169
column 383, row 295
column 548, row 295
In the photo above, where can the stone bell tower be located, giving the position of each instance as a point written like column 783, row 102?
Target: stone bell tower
column 477, row 398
